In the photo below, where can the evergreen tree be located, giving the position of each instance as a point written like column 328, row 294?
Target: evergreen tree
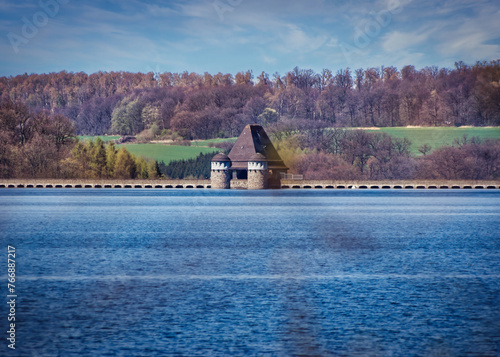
column 198, row 168
column 154, row 170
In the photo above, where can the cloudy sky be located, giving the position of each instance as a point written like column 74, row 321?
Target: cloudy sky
column 41, row 36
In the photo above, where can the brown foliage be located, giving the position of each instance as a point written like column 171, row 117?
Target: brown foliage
column 321, row 166
column 220, row 105
column 32, row 144
column 477, row 161
column 378, row 156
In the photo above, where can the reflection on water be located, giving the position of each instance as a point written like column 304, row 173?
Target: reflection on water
column 208, row 272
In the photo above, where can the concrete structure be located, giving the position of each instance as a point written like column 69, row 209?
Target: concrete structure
column 253, row 158
column 83, row 183
column 236, row 183
column 391, row 184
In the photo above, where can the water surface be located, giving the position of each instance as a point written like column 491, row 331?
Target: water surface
column 278, row 273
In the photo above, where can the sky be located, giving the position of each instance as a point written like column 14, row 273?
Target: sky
column 230, row 36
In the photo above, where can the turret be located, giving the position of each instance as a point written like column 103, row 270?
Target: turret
column 257, row 172
column 220, row 173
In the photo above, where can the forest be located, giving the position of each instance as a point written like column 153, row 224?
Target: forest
column 208, row 106
column 44, row 145
column 198, row 168
column 304, row 112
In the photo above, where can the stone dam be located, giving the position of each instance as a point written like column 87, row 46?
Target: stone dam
column 242, row 184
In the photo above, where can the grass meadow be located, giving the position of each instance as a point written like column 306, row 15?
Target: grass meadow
column 104, row 138
column 437, row 137
column 167, row 153
column 212, row 141
column 162, row 152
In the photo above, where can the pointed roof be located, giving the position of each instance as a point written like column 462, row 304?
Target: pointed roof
column 220, row 157
column 254, row 140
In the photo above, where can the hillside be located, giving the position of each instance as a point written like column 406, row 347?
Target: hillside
column 207, row 106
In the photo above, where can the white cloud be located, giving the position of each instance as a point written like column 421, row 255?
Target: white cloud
column 294, row 39
column 202, row 10
column 156, row 10
column 477, row 37
column 10, row 6
column 268, row 59
column 397, row 41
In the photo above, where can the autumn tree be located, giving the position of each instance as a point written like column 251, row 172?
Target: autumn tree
column 127, row 103
column 33, row 144
column 98, row 158
column 111, row 157
column 125, row 166
column 322, row 166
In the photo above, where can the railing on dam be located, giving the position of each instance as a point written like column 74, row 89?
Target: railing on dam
column 400, row 184
column 241, row 184
column 105, row 184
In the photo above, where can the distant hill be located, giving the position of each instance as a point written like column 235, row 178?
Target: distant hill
column 203, row 106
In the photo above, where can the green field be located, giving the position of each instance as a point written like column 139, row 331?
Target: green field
column 161, row 152
column 206, row 143
column 167, row 153
column 103, row 137
column 438, row 137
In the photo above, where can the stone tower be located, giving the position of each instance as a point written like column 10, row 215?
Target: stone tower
column 220, row 177
column 257, row 172
column 253, row 162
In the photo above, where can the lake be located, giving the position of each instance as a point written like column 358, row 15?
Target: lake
column 274, row 273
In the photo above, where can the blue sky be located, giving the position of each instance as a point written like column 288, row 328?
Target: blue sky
column 237, row 35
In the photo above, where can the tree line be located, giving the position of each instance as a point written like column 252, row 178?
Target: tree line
column 201, row 106
column 356, row 154
column 43, row 145
column 99, row 160
column 197, row 168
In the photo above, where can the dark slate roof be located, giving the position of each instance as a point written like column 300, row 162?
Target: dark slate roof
column 258, row 157
column 220, row 157
column 252, row 140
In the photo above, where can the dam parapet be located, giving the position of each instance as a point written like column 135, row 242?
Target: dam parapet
column 243, row 184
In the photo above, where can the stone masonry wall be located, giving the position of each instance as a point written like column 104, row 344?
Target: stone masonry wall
column 257, row 179
column 220, row 179
column 239, row 184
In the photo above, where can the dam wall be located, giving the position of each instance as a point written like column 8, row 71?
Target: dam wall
column 392, row 184
column 242, row 184
column 48, row 183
